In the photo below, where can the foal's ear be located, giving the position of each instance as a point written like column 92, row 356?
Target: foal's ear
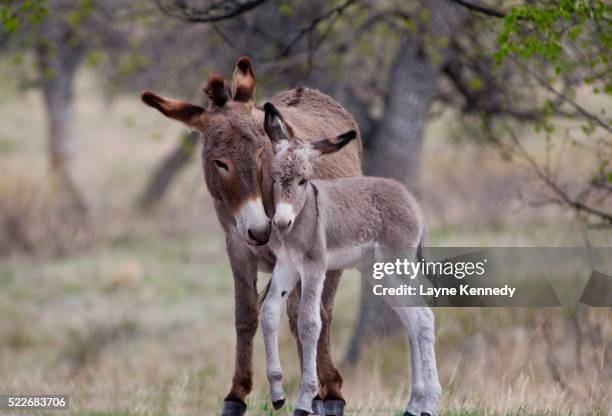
column 186, row 113
column 274, row 124
column 243, row 82
column 325, row 146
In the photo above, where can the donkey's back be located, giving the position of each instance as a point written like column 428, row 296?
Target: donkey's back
column 315, row 115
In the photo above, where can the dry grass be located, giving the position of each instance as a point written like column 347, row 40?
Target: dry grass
column 135, row 318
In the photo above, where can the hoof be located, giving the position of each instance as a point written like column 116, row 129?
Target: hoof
column 277, row 404
column 408, row 414
column 300, row 412
column 425, row 414
column 318, row 406
column 334, row 407
column 231, row 408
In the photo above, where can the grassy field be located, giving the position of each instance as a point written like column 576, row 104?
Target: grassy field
column 135, row 317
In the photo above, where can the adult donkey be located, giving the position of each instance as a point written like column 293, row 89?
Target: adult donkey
column 237, row 155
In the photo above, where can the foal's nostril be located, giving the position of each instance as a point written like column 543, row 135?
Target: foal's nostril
column 289, row 223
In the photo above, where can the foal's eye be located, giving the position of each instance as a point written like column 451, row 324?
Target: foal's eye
column 221, row 165
column 302, row 182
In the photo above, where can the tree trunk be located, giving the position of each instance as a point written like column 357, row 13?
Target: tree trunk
column 394, row 150
column 168, row 169
column 58, row 56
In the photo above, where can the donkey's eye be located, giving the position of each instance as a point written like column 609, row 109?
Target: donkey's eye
column 302, row 182
column 221, row 165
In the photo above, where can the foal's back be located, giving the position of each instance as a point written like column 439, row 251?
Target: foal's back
column 368, row 210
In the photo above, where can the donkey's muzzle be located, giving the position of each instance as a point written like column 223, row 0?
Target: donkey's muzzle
column 259, row 236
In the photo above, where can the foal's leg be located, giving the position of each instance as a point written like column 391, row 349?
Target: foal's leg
column 309, row 328
column 426, row 390
column 420, row 325
column 283, row 281
column 330, row 378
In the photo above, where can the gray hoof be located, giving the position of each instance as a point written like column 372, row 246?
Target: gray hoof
column 277, row 404
column 334, row 407
column 300, row 412
column 231, row 408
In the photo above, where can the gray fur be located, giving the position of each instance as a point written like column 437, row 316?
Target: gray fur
column 321, row 225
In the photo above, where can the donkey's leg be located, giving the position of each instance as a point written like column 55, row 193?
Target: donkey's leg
column 244, row 269
column 426, row 390
column 293, row 311
column 309, row 328
column 283, row 281
column 329, row 376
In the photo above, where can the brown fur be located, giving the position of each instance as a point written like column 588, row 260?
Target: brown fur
column 233, row 135
column 244, row 80
column 216, row 90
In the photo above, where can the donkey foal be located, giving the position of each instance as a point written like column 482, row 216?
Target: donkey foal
column 323, row 225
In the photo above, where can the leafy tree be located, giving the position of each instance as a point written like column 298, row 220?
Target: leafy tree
column 511, row 68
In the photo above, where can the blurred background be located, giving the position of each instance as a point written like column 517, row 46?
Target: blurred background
column 114, row 283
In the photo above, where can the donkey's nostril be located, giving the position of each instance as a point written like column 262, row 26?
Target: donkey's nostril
column 289, row 223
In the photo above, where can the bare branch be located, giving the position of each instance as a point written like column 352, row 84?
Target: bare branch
column 488, row 11
column 563, row 197
column 592, row 117
column 332, row 13
column 217, row 11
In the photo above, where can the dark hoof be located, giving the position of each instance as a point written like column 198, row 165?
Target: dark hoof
column 231, row 408
column 318, row 406
column 300, row 412
column 277, row 404
column 425, row 414
column 334, row 407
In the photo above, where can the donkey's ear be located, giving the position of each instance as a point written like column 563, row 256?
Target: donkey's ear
column 243, row 82
column 216, row 90
column 178, row 110
column 333, row 145
column 274, row 124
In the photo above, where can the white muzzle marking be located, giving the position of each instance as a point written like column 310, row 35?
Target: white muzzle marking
column 284, row 215
column 251, row 216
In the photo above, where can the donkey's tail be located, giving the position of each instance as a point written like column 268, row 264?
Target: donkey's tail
column 264, row 293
